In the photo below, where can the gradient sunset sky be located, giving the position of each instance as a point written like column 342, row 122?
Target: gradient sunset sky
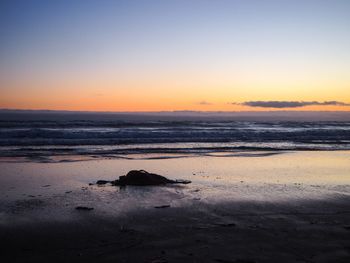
column 175, row 55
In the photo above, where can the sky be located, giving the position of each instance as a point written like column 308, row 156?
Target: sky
column 237, row 55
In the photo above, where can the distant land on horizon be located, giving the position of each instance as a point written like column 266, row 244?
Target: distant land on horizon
column 282, row 115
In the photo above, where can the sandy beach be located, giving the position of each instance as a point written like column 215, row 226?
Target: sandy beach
column 240, row 207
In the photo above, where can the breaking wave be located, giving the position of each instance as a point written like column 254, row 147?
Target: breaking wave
column 44, row 138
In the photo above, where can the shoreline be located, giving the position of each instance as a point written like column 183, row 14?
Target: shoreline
column 62, row 158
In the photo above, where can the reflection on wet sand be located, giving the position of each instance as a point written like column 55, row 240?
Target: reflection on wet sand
column 246, row 208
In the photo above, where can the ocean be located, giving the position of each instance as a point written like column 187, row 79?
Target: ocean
column 70, row 135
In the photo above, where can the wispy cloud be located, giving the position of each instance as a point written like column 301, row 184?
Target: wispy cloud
column 203, row 102
column 289, row 104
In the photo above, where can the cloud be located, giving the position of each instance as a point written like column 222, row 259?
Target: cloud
column 203, row 102
column 290, row 104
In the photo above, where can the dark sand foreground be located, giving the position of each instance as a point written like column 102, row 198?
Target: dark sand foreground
column 230, row 232
column 226, row 219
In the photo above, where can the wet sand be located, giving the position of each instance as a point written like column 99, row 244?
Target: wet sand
column 290, row 207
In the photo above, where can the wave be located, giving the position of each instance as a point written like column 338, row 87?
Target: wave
column 138, row 135
column 195, row 137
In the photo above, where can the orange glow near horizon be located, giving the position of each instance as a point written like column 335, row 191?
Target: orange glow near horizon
column 167, row 94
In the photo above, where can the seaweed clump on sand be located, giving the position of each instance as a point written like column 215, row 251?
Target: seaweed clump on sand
column 142, row 178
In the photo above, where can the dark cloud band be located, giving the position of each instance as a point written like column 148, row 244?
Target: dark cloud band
column 291, row 104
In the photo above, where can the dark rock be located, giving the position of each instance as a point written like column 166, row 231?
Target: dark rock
column 162, row 206
column 159, row 261
column 226, row 224
column 84, row 208
column 234, row 261
column 142, row 178
column 101, row 182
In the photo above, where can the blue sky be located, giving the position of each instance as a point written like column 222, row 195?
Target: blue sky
column 178, row 39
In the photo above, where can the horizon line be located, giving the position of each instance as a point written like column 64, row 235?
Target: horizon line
column 171, row 111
